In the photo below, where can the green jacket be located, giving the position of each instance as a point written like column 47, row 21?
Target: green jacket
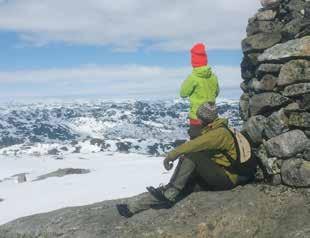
column 215, row 139
column 201, row 86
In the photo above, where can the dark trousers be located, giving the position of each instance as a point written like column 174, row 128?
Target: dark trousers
column 195, row 172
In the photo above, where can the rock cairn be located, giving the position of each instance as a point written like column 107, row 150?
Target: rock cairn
column 275, row 105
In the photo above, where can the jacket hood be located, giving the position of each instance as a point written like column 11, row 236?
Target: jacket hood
column 202, row 72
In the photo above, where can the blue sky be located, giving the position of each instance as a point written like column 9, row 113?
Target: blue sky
column 131, row 48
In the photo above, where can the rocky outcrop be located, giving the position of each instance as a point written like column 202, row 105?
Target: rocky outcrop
column 276, row 99
column 251, row 211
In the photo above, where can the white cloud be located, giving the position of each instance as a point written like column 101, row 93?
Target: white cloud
column 107, row 81
column 127, row 24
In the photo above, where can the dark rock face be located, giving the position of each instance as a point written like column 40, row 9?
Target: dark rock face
column 278, row 86
column 266, row 102
column 203, row 214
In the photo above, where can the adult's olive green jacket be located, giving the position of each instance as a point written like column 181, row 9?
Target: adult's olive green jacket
column 201, row 86
column 217, row 141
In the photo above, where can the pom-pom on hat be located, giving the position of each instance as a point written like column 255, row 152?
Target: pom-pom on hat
column 199, row 55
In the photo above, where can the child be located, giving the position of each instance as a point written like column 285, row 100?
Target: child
column 201, row 86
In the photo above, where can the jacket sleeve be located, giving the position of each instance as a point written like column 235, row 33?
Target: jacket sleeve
column 187, row 87
column 213, row 140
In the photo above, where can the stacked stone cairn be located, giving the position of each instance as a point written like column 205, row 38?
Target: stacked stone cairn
column 275, row 105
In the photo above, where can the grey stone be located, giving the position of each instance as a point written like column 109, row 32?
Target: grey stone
column 295, row 71
column 62, row 173
column 244, row 86
column 268, row 69
column 296, row 89
column 276, row 124
column 276, row 180
column 306, row 155
column 259, row 211
column 266, row 103
column 292, row 107
column 244, row 106
column 255, row 27
column 20, row 178
column 287, row 145
column 260, row 42
column 266, row 15
column 299, row 119
column 270, row 3
column 265, row 84
column 296, row 173
column 304, row 101
column 291, row 29
column 269, row 163
column 292, row 49
column 53, row 152
column 254, row 128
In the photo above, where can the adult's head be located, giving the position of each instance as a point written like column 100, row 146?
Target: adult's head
column 207, row 112
column 199, row 55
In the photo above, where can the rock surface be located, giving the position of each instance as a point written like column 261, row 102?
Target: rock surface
column 297, row 48
column 288, row 144
column 297, row 89
column 260, row 42
column 62, row 173
column 251, row 211
column 296, row 172
column 295, row 71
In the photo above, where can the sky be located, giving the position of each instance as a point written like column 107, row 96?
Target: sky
column 117, row 49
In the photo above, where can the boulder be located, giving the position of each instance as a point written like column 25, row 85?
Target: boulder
column 265, row 84
column 260, row 42
column 270, row 3
column 296, row 173
column 254, row 128
column 244, row 106
column 304, row 101
column 247, row 211
column 255, row 27
column 276, row 124
column 306, row 155
column 296, row 89
column 295, row 71
column 273, row 69
column 248, row 65
column 292, row 28
column 292, row 49
column 270, row 165
column 287, row 145
column 299, row 119
column 266, row 103
column 266, row 15
column 62, row 173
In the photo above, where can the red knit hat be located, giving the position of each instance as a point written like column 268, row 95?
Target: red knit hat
column 199, row 55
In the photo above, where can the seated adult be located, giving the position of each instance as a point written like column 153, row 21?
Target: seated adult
column 209, row 162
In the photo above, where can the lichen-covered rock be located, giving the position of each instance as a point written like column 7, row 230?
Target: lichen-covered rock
column 287, row 145
column 289, row 50
column 276, row 124
column 244, row 106
column 296, row 173
column 255, row 27
column 295, row 71
column 266, row 15
column 291, row 29
column 273, row 69
column 270, row 3
column 296, row 89
column 266, row 103
column 265, row 84
column 260, row 42
column 254, row 128
column 270, row 164
column 299, row 119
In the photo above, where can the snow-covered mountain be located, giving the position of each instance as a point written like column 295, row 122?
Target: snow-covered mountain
column 147, row 127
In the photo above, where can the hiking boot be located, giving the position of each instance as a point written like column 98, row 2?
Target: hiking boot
column 160, row 195
column 123, row 210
